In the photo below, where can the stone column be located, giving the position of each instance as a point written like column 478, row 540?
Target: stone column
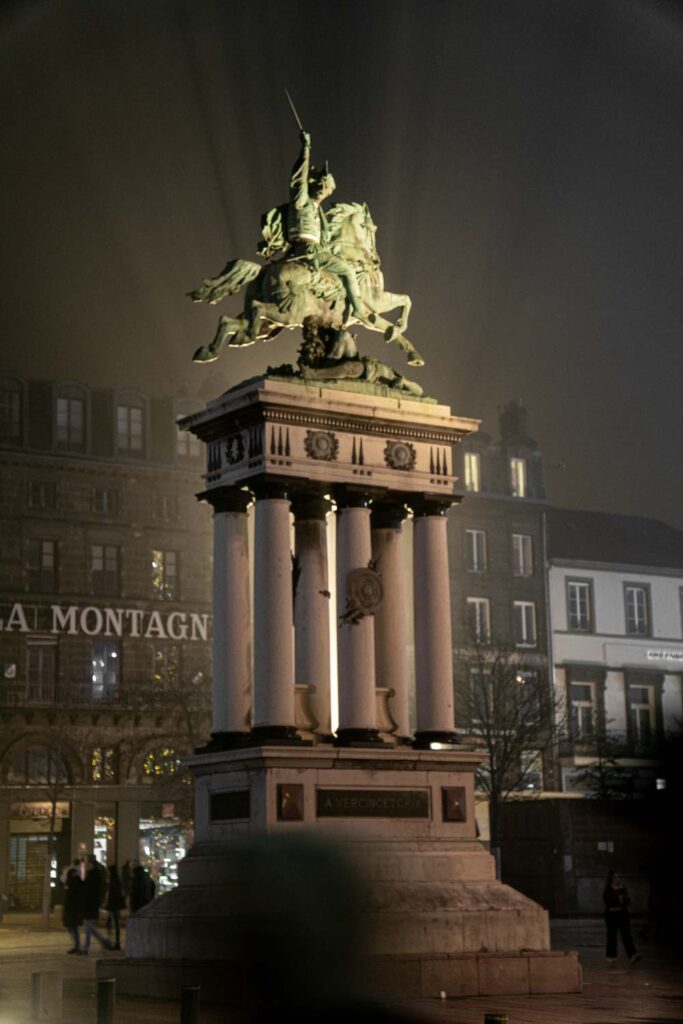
column 433, row 638
column 231, row 618
column 391, row 656
column 312, row 605
column 356, row 636
column 127, row 831
column 273, row 618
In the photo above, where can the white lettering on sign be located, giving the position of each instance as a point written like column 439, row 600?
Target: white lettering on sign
column 95, row 621
column 664, row 655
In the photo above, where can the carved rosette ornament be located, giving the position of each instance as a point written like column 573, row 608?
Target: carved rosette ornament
column 321, row 445
column 399, row 455
column 364, row 592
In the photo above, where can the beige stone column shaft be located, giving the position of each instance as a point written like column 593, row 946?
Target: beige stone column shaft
column 356, row 635
column 433, row 635
column 391, row 655
column 273, row 717
column 312, row 606
column 231, row 617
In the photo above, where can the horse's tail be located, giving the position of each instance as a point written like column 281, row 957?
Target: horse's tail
column 235, row 276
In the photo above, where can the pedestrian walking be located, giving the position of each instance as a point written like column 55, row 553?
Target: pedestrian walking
column 92, row 903
column 72, row 911
column 142, row 887
column 618, row 919
column 116, row 901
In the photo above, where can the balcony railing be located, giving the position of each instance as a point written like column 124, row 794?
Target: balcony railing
column 141, row 695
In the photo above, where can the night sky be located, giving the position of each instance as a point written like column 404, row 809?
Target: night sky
column 522, row 158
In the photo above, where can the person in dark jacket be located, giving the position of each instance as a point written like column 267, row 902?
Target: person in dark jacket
column 115, row 903
column 142, row 887
column 617, row 918
column 72, row 911
column 92, row 903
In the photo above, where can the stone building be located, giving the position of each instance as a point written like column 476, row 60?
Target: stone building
column 104, row 626
column 497, row 559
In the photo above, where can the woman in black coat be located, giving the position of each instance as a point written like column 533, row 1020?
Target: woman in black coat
column 74, row 902
column 116, row 901
column 617, row 918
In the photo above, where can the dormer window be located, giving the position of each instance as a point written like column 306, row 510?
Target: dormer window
column 472, row 472
column 518, row 480
column 130, row 424
column 11, row 411
column 70, row 418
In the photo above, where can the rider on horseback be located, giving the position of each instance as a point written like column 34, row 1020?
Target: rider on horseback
column 300, row 228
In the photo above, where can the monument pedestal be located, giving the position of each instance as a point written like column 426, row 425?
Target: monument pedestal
column 432, row 917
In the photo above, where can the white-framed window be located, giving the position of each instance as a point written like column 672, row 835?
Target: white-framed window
column 637, row 601
column 518, row 481
column 105, row 501
column 41, row 664
column 472, row 471
column 42, row 494
column 105, row 667
column 70, row 418
column 479, row 619
column 580, row 606
column 42, row 565
column 187, row 445
column 522, row 555
column 475, row 550
column 582, row 710
column 164, row 575
column 130, row 425
column 641, row 708
column 524, row 623
column 104, row 568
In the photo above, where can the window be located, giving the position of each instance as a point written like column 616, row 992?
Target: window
column 105, row 500
column 472, row 472
column 166, row 507
column 42, row 565
column 479, row 619
column 637, row 610
column 529, row 696
column 522, row 555
column 104, row 568
column 37, row 765
column 11, row 394
column 579, row 606
column 163, row 762
column 518, row 478
column 130, row 426
column 70, row 418
column 187, row 445
column 165, row 575
column 103, row 764
column 530, row 771
column 40, row 673
column 42, row 494
column 475, row 550
column 582, row 710
column 104, row 662
column 524, row 623
column 165, row 665
column 641, row 710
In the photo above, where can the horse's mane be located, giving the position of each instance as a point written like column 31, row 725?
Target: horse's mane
column 339, row 213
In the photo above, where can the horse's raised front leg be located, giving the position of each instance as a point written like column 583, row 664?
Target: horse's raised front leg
column 403, row 303
column 226, row 326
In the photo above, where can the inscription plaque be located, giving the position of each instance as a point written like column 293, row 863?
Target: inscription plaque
column 372, row 803
column 454, row 805
column 230, row 806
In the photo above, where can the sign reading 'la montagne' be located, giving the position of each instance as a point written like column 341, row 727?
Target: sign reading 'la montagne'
column 91, row 620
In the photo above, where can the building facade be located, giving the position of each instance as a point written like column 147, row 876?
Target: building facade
column 104, row 627
column 616, row 600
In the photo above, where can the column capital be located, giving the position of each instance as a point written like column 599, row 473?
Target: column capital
column 351, row 497
column 226, row 499
column 425, row 505
column 310, row 507
column 388, row 515
column 264, row 489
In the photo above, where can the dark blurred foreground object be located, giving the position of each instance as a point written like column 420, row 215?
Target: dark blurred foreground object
column 617, row 918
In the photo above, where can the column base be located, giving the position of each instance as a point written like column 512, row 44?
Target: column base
column 424, row 740
column 359, row 738
column 224, row 741
column 278, row 735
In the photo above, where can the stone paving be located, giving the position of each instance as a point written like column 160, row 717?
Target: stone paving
column 650, row 992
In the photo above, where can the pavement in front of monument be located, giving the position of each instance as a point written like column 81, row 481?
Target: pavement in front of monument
column 650, row 992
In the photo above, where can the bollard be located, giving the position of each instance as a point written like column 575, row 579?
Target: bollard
column 495, row 1018
column 106, row 1000
column 46, row 996
column 189, row 1005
